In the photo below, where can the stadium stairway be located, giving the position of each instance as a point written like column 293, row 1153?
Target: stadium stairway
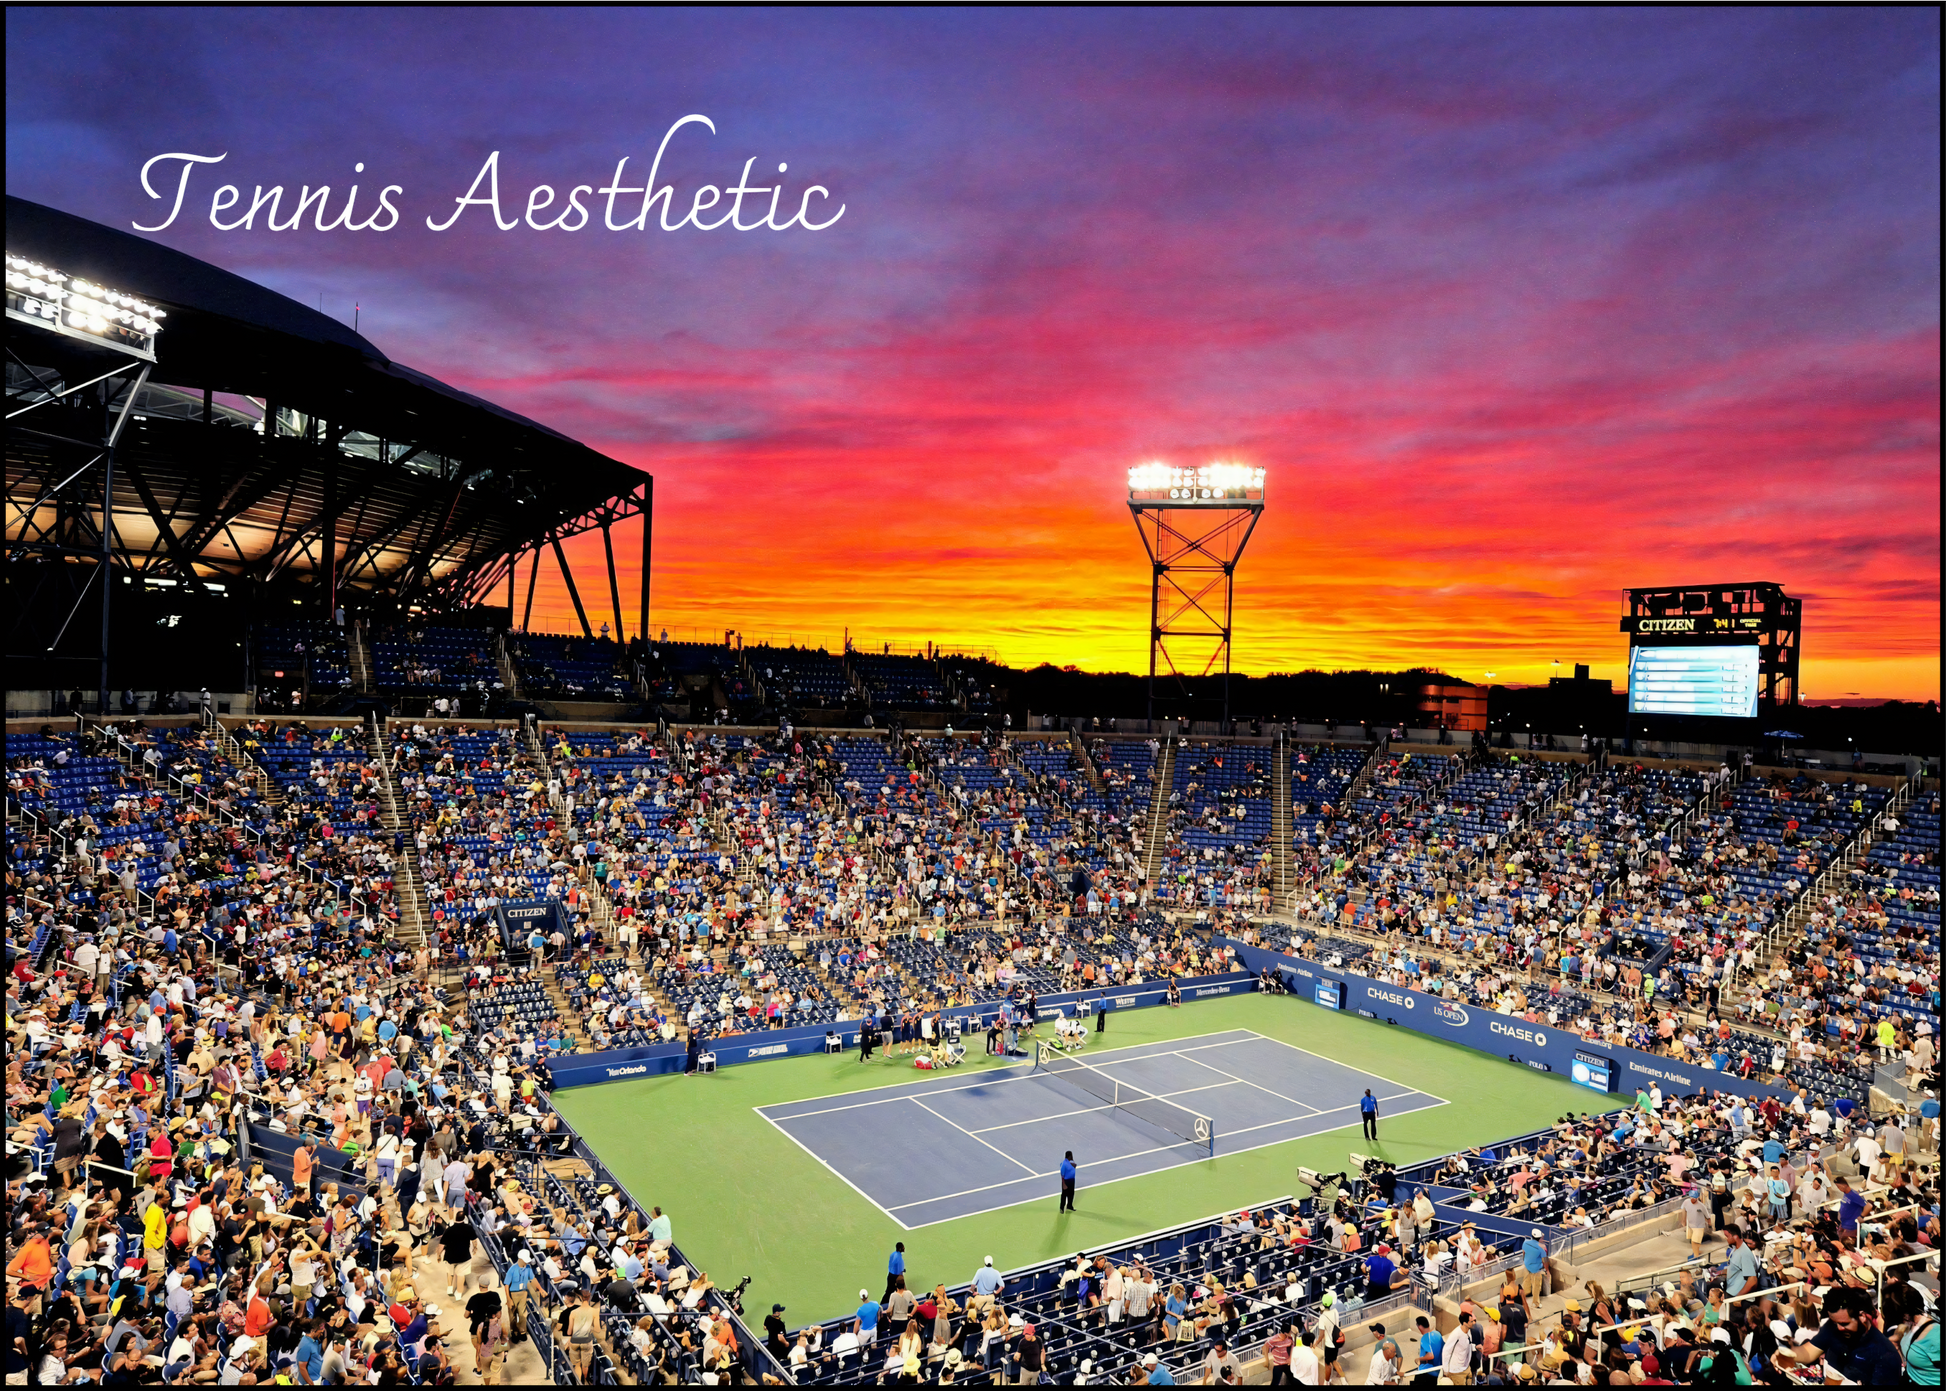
column 509, row 673
column 361, row 658
column 1086, row 762
column 1284, row 883
column 1363, row 779
column 267, row 788
column 408, row 885
column 566, row 1012
column 1157, row 838
column 530, row 731
column 1792, row 924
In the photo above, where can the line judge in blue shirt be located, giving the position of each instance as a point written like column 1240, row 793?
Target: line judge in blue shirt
column 1068, row 1172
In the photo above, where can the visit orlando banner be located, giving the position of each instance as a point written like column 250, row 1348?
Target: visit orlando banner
column 1539, row 1046
column 615, row 1065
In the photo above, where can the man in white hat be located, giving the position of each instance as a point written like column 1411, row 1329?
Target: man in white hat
column 987, row 1286
column 519, row 1276
column 865, row 1322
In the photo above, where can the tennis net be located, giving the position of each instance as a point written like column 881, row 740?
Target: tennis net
column 1160, row 1112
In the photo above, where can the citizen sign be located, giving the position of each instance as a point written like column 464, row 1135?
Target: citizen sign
column 1533, row 1036
column 1666, row 625
column 1455, row 1015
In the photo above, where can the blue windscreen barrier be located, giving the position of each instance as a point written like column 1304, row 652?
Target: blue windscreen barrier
column 582, row 1069
column 1541, row 1047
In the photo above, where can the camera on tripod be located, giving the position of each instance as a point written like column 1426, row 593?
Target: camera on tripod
column 1370, row 1166
column 1318, row 1182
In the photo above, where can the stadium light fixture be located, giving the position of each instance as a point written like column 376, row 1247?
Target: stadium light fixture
column 1193, row 563
column 1214, row 485
column 77, row 307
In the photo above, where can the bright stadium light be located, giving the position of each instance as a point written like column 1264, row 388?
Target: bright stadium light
column 1193, row 563
column 41, row 295
column 1213, row 484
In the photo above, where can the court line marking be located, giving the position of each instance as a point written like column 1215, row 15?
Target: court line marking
column 1163, row 1149
column 973, row 1136
column 1266, row 1144
column 1290, row 1100
column 1221, row 1039
column 1335, row 1062
column 982, row 1079
column 828, row 1165
column 1091, row 1110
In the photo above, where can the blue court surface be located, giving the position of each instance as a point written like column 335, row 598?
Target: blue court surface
column 955, row 1145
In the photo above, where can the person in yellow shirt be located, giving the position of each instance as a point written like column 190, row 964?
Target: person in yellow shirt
column 155, row 1229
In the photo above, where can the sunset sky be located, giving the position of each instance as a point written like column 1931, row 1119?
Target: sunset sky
column 1517, row 308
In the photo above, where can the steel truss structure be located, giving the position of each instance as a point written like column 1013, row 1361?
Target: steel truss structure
column 1715, row 615
column 270, row 449
column 1194, row 547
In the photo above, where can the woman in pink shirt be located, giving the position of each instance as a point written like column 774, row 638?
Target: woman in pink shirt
column 162, row 1156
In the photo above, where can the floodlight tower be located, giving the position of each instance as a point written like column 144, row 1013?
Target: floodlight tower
column 1194, row 523
column 74, row 328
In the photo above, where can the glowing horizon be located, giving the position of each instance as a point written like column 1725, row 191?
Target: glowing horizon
column 1516, row 311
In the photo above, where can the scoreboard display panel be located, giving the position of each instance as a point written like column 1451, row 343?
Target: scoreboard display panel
column 1706, row 660
column 1593, row 1071
column 1718, row 682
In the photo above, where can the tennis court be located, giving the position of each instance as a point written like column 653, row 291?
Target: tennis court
column 953, row 1146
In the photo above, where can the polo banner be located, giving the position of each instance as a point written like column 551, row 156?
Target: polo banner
column 1541, row 1047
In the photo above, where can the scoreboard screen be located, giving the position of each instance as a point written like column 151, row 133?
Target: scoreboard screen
column 1713, row 681
column 1329, row 994
column 1593, row 1071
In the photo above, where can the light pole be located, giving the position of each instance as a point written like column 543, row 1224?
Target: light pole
column 1191, row 558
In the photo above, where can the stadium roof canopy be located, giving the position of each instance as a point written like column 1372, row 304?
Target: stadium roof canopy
column 269, row 443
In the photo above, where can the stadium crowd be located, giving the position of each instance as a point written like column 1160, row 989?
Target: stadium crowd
column 1811, row 1248
column 249, row 1135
